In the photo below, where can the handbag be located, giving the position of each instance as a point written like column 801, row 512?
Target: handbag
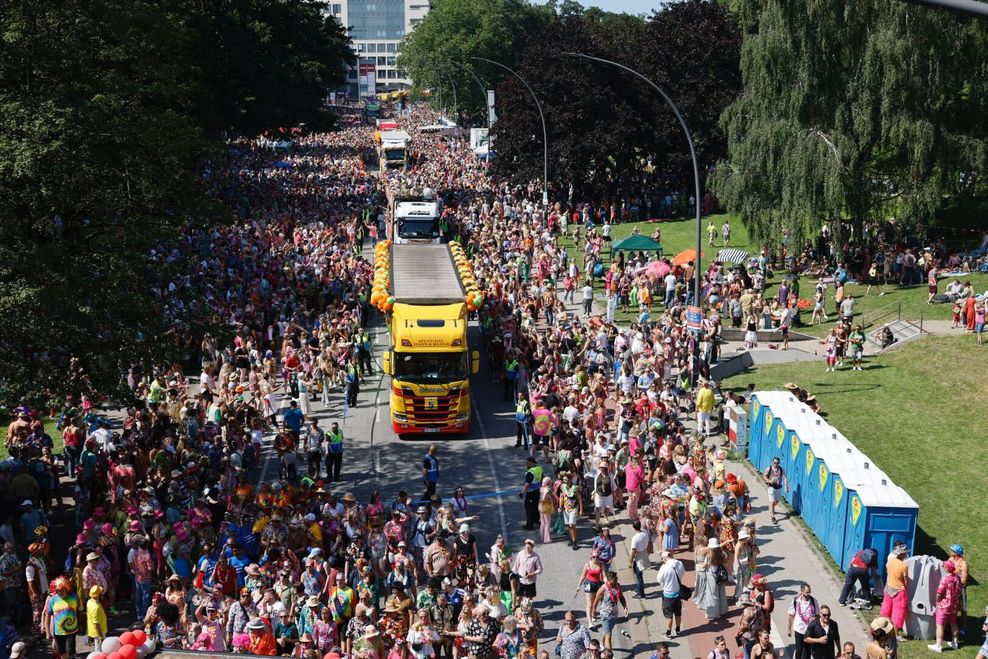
column 685, row 592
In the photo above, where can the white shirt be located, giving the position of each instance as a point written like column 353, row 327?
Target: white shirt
column 639, row 542
column 670, row 282
column 800, row 609
column 670, row 576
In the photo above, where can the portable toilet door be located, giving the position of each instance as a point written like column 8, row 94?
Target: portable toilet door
column 756, row 433
column 854, row 534
column 816, row 511
column 809, row 496
column 776, row 439
column 795, row 466
column 837, row 497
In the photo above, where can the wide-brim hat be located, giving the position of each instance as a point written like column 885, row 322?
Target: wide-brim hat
column 253, row 570
column 256, row 624
column 349, row 498
column 92, row 556
column 312, row 601
column 881, row 623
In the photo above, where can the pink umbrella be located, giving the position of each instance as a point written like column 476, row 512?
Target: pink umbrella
column 657, row 269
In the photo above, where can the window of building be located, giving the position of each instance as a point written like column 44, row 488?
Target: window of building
column 336, row 9
column 392, row 74
column 376, row 19
column 392, row 47
column 391, row 61
column 372, row 48
column 381, row 61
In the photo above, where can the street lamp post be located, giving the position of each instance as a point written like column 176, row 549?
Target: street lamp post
column 480, row 84
column 689, row 140
column 545, row 133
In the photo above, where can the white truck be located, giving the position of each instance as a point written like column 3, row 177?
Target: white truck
column 393, row 149
column 416, row 219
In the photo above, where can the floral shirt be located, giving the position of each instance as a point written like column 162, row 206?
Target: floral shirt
column 949, row 594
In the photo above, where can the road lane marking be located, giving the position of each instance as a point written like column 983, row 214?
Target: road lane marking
column 490, row 461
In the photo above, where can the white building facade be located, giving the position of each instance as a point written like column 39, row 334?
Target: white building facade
column 377, row 28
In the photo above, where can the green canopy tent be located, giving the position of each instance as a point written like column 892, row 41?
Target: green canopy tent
column 636, row 243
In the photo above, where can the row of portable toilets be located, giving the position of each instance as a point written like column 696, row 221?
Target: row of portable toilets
column 847, row 501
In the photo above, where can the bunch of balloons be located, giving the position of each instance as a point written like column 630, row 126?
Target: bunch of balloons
column 380, row 295
column 473, row 299
column 129, row 645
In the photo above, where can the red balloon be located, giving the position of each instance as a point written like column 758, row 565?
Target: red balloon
column 128, row 652
column 127, row 638
column 139, row 637
column 99, row 655
column 114, row 655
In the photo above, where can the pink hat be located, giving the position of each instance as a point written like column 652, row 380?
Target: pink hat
column 98, row 511
column 949, row 567
column 107, row 528
column 89, row 525
column 132, row 510
column 135, row 525
column 158, row 513
column 81, row 538
column 181, row 533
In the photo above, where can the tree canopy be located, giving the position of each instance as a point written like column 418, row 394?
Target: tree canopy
column 437, row 51
column 107, row 118
column 608, row 130
column 854, row 111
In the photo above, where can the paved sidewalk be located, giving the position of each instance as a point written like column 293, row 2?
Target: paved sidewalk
column 788, row 558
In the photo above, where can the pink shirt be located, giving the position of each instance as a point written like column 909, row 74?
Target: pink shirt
column 634, row 475
column 950, row 593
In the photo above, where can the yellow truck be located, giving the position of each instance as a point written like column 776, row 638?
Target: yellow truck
column 429, row 360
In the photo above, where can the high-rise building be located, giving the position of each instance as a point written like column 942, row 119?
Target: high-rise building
column 377, row 28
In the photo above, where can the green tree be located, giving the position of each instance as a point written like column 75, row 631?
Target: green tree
column 266, row 63
column 454, row 31
column 854, row 111
column 98, row 153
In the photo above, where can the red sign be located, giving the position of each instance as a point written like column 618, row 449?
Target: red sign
column 364, row 69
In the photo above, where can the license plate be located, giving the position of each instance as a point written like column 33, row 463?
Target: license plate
column 431, row 429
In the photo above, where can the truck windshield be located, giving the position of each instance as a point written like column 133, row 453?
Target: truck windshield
column 431, row 367
column 394, row 154
column 426, row 227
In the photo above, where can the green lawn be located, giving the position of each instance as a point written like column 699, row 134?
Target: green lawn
column 56, row 436
column 909, row 301
column 918, row 412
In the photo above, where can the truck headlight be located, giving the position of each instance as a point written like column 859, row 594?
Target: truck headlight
column 400, row 417
column 462, row 417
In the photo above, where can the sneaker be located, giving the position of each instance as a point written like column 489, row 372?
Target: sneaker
column 953, row 644
column 936, row 647
column 843, row 604
column 638, row 596
column 678, row 632
column 667, row 635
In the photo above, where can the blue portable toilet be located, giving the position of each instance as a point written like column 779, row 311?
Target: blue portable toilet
column 827, row 460
column 764, row 410
column 756, row 428
column 880, row 514
column 804, row 435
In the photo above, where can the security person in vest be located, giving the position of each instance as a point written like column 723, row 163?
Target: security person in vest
column 510, row 378
column 352, row 383
column 430, row 471
column 530, row 492
column 334, row 452
column 364, row 352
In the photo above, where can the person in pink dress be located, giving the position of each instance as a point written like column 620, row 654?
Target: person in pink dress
column 948, row 603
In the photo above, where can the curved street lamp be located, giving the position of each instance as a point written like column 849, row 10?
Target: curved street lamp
column 545, row 133
column 689, row 140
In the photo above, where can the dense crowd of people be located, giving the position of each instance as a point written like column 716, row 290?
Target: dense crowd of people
column 176, row 517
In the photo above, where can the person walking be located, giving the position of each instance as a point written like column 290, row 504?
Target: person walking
column 605, row 606
column 528, row 566
column 572, row 639
column 530, row 493
column 430, row 471
column 670, row 579
column 313, row 448
column 334, row 452
column 775, row 477
column 587, row 298
column 710, row 594
column 823, row 636
column 803, row 609
column 641, row 547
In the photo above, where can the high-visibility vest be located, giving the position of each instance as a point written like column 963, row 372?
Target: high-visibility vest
column 536, row 473
column 335, row 441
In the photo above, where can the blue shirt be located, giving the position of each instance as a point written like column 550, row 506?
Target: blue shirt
column 294, row 418
column 431, row 465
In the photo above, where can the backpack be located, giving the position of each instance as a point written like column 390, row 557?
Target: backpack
column 868, row 556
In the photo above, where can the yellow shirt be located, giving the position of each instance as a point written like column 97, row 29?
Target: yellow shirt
column 95, row 614
column 896, row 570
column 705, row 400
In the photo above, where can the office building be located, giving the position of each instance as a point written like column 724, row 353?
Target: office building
column 377, row 28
